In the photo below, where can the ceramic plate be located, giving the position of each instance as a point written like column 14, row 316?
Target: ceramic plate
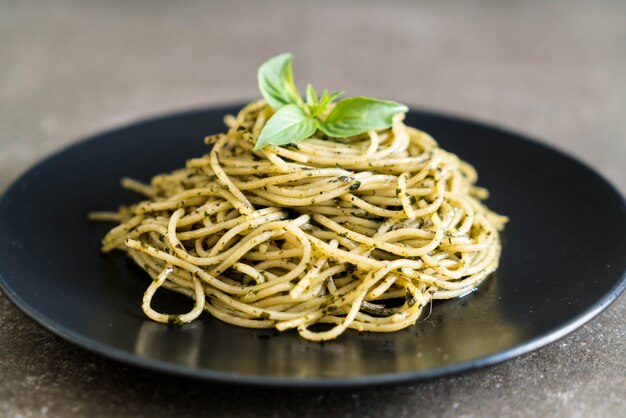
column 563, row 262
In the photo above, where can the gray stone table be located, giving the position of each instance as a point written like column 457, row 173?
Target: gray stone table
column 555, row 70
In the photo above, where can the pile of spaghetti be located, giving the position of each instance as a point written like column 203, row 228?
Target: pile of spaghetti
column 320, row 236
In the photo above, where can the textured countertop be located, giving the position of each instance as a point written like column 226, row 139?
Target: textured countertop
column 553, row 70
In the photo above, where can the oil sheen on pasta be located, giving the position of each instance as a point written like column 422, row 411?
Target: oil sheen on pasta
column 320, row 236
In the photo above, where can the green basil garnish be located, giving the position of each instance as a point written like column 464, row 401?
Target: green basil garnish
column 296, row 120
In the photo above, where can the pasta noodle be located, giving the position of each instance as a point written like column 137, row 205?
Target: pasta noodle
column 323, row 235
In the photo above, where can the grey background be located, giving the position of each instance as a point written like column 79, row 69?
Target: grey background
column 555, row 70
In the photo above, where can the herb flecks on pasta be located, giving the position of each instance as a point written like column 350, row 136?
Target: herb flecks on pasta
column 361, row 232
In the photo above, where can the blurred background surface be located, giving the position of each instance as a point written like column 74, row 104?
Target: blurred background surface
column 554, row 70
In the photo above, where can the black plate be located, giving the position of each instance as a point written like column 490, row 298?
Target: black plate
column 563, row 262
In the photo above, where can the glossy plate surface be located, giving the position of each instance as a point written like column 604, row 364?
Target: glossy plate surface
column 563, row 262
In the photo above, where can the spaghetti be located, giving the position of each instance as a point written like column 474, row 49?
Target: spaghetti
column 320, row 236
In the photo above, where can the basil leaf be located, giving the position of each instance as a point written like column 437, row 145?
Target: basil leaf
column 318, row 106
column 311, row 97
column 356, row 115
column 289, row 124
column 276, row 82
column 327, row 98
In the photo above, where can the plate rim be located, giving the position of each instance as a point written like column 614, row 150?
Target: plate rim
column 235, row 378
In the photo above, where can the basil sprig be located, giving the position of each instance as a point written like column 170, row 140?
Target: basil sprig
column 295, row 120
